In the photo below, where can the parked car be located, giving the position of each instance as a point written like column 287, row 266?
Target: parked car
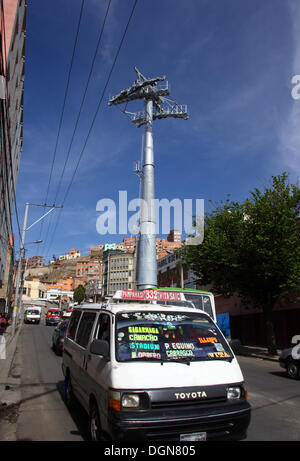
column 291, row 364
column 53, row 316
column 58, row 336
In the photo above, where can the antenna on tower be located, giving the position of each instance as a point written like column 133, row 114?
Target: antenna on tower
column 157, row 105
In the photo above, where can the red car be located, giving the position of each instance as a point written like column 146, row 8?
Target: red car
column 53, row 316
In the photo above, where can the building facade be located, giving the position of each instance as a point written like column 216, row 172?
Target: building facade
column 174, row 236
column 73, row 254
column 88, row 270
column 12, row 62
column 118, row 272
column 171, row 273
column 93, row 290
column 55, row 294
column 35, row 261
column 66, row 284
column 7, row 289
column 34, row 289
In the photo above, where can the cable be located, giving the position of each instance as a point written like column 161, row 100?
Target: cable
column 63, row 106
column 83, row 98
column 79, row 114
column 94, row 118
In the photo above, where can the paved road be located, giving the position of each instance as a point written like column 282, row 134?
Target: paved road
column 275, row 401
column 43, row 416
column 42, row 413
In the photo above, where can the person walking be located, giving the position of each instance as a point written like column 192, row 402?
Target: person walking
column 3, row 323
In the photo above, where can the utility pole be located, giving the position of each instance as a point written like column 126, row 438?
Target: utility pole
column 156, row 106
column 18, row 295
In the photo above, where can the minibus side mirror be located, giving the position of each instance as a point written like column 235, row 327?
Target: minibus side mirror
column 100, row 347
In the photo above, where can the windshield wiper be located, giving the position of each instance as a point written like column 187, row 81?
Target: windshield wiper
column 185, row 361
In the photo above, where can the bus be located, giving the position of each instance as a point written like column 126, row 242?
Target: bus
column 203, row 300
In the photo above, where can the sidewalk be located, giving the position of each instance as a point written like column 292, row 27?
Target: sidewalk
column 10, row 370
column 257, row 352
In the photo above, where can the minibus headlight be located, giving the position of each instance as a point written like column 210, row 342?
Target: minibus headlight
column 130, row 400
column 234, row 393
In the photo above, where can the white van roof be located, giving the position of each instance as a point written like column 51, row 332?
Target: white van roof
column 37, row 308
column 115, row 308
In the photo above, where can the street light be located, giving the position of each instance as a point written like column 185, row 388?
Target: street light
column 19, row 283
column 22, row 249
column 22, row 278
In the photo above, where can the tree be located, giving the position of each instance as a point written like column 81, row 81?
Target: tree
column 252, row 249
column 79, row 294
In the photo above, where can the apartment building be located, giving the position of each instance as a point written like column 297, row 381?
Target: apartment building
column 129, row 244
column 86, row 270
column 118, row 272
column 93, row 289
column 12, row 58
column 66, row 284
column 34, row 289
column 35, row 261
column 7, row 289
column 73, row 254
column 171, row 273
column 96, row 250
column 164, row 246
column 55, row 293
column 174, row 236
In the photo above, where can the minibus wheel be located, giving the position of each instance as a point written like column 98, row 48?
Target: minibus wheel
column 95, row 431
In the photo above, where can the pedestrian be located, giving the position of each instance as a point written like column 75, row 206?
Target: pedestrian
column 3, row 323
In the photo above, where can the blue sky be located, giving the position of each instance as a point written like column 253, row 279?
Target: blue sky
column 231, row 62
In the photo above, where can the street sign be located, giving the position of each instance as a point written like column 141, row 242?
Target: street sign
column 148, row 295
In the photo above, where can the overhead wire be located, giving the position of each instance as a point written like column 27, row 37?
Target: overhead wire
column 63, row 109
column 93, row 120
column 80, row 110
column 83, row 99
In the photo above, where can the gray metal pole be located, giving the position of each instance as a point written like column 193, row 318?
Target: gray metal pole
column 146, row 89
column 146, row 256
column 19, row 271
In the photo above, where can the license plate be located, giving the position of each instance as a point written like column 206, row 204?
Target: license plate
column 196, row 436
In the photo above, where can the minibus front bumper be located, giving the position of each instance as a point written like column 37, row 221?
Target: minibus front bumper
column 229, row 422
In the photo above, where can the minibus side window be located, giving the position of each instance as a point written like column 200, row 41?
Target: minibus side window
column 73, row 324
column 85, row 328
column 103, row 328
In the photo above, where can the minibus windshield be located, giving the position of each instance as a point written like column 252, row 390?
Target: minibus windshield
column 171, row 336
column 32, row 312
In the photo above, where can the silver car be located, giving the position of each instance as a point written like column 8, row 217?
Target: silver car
column 291, row 364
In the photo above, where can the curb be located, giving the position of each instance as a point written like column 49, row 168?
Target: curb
column 259, row 356
column 263, row 355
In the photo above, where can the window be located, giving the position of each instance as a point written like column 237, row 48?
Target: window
column 169, row 336
column 85, row 328
column 73, row 324
column 103, row 328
